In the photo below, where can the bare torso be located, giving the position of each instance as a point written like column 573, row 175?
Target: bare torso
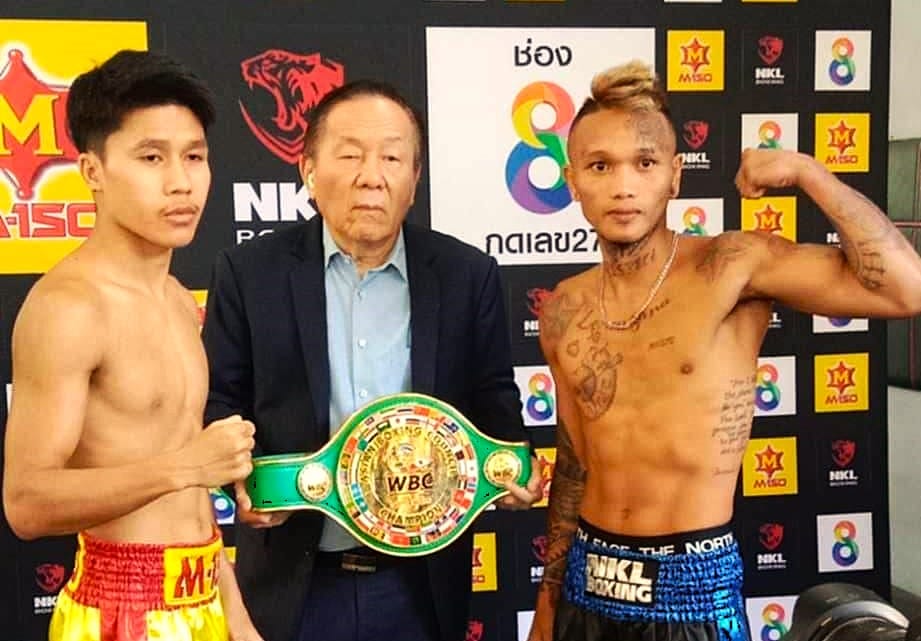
column 661, row 412
column 146, row 397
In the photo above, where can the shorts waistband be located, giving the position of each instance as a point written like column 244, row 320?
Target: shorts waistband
column 155, row 576
column 607, row 578
column 692, row 542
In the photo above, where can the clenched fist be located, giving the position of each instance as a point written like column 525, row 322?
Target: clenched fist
column 763, row 169
column 221, row 453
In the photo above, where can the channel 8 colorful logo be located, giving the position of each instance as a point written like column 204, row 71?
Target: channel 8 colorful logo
column 769, row 133
column 539, row 142
column 842, row 68
column 540, row 402
column 775, row 625
column 767, row 394
column 224, row 507
column 845, row 551
column 694, row 219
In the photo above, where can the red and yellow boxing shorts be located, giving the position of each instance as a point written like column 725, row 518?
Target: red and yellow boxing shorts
column 141, row 592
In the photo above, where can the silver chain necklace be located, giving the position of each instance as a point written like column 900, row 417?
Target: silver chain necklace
column 630, row 322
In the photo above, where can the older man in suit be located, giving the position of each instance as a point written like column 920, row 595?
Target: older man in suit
column 308, row 324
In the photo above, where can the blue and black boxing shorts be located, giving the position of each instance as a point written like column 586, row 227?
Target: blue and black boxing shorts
column 679, row 587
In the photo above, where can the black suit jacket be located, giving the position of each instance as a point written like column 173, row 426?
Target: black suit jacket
column 265, row 336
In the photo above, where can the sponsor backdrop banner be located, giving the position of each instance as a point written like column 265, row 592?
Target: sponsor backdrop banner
column 499, row 82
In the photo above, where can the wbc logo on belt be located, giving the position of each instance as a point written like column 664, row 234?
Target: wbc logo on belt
column 409, row 468
column 616, row 579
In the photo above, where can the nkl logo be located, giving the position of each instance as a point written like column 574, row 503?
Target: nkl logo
column 537, row 296
column 770, row 535
column 271, row 202
column 769, row 50
column 695, row 134
column 296, row 83
column 33, row 140
column 539, row 551
column 842, row 453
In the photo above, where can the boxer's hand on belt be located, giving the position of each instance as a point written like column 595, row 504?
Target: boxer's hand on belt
column 523, row 497
column 222, row 452
column 256, row 519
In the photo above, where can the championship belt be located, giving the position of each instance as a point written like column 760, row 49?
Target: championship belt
column 405, row 475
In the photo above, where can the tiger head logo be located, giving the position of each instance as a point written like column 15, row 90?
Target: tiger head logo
column 770, row 48
column 843, row 451
column 296, row 84
column 695, row 133
column 771, row 535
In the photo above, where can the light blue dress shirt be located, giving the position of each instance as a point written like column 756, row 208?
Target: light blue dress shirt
column 367, row 321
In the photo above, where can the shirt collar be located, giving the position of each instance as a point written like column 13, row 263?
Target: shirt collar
column 397, row 256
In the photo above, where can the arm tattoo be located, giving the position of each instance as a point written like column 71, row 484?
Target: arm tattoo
column 867, row 236
column 566, row 490
column 722, row 251
column 866, row 259
column 556, row 314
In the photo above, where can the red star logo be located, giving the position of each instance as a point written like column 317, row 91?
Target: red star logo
column 33, row 129
column 841, row 377
column 695, row 55
column 769, row 219
column 841, row 137
column 769, row 461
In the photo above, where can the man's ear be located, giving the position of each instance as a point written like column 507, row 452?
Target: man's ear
column 568, row 177
column 677, row 166
column 90, row 166
column 305, row 168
